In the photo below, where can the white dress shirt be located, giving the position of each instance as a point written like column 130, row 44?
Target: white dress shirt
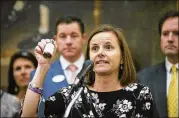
column 168, row 66
column 65, row 64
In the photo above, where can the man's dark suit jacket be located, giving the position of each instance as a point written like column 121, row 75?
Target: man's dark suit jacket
column 155, row 78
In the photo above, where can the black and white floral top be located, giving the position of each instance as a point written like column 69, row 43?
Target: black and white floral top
column 133, row 101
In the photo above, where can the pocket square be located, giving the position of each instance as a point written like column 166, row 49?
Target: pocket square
column 58, row 78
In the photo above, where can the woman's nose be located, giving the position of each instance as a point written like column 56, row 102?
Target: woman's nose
column 101, row 53
column 23, row 71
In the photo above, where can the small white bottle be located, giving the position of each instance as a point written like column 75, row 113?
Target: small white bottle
column 49, row 48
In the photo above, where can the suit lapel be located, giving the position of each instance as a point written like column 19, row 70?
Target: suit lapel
column 159, row 85
column 57, row 70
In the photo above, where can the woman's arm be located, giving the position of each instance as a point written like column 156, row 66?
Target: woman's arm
column 145, row 104
column 32, row 97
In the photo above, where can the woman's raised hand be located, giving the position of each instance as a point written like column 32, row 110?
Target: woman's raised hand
column 39, row 49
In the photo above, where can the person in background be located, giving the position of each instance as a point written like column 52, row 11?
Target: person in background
column 70, row 38
column 9, row 105
column 109, row 90
column 22, row 63
column 162, row 78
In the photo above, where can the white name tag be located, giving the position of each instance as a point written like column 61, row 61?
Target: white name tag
column 58, row 78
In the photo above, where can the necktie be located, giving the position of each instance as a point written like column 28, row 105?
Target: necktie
column 173, row 94
column 72, row 68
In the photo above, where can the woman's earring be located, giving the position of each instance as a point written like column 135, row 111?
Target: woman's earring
column 15, row 89
column 121, row 66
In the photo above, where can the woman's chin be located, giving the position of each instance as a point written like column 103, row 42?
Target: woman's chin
column 102, row 72
column 25, row 85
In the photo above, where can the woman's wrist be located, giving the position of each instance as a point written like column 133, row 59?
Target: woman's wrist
column 43, row 66
column 33, row 87
column 40, row 74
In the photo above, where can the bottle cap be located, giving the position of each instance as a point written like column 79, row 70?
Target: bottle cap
column 52, row 41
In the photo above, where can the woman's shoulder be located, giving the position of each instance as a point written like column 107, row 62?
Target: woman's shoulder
column 10, row 105
column 135, row 86
column 10, row 99
column 138, row 89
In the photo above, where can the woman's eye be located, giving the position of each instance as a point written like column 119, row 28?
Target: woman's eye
column 17, row 68
column 94, row 48
column 28, row 66
column 109, row 47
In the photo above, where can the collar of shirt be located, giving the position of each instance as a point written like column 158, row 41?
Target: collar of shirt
column 65, row 63
column 168, row 65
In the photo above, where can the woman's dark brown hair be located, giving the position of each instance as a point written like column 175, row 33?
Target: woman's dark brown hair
column 127, row 75
column 11, row 82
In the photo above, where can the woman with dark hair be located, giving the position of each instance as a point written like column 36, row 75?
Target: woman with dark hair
column 109, row 90
column 21, row 65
